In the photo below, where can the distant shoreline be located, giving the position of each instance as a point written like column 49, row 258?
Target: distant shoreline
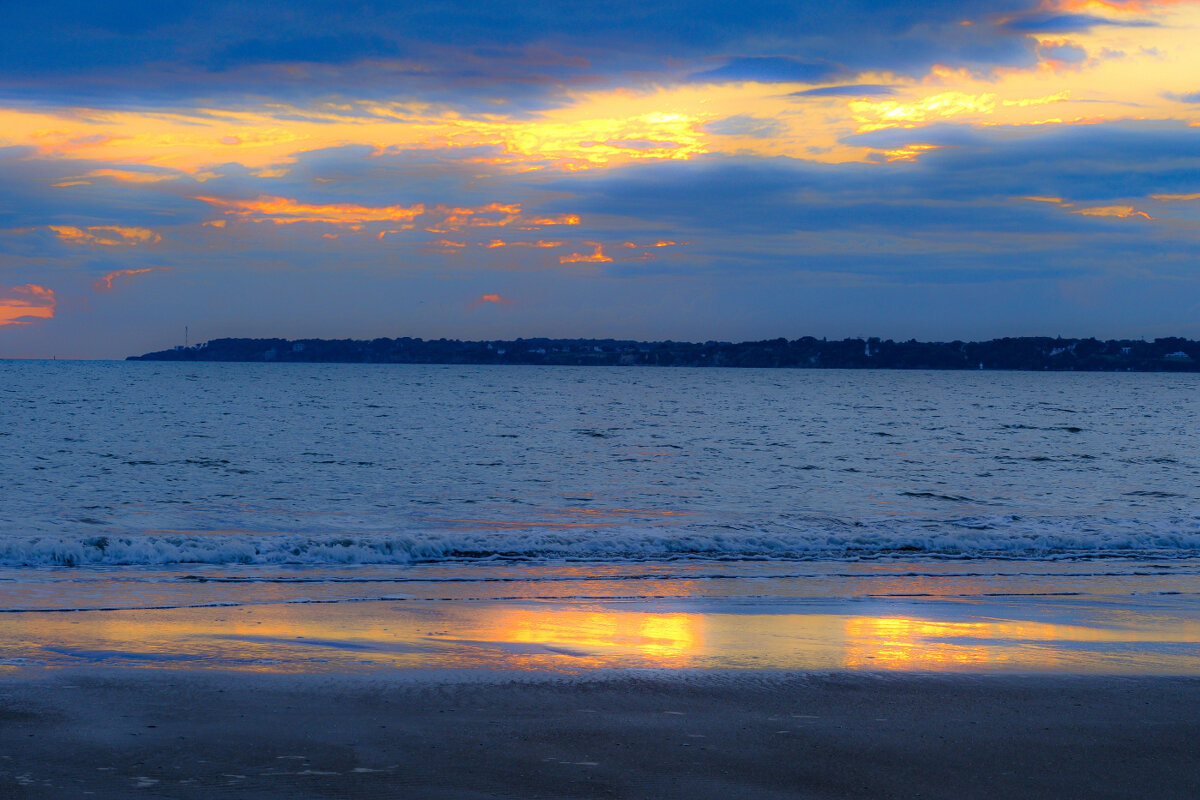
column 1035, row 353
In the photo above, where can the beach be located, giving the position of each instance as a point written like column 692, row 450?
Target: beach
column 117, row 734
column 690, row 697
column 348, row 581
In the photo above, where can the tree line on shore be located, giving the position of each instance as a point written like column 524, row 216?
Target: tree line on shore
column 1017, row 353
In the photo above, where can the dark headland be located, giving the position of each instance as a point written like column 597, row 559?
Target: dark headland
column 1023, row 353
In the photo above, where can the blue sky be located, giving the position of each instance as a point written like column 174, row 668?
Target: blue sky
column 677, row 170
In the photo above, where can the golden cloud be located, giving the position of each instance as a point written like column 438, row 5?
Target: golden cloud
column 501, row 243
column 105, row 235
column 25, row 305
column 1118, row 211
column 285, row 211
column 595, row 257
column 1111, row 211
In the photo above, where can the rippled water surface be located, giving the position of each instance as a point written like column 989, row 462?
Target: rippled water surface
column 142, row 463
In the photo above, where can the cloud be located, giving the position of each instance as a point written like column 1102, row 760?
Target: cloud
column 1117, row 211
column 489, row 299
column 1069, row 23
column 330, row 49
column 1187, row 97
column 1065, row 52
column 1120, row 212
column 468, row 54
column 768, row 69
column 848, row 90
column 540, row 243
column 285, row 211
column 120, row 175
column 105, row 235
column 25, row 305
column 595, row 257
column 105, row 282
column 746, row 125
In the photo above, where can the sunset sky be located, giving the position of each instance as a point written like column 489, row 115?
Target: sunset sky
column 652, row 170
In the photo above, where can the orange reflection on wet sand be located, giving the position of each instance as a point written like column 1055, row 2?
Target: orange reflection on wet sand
column 905, row 643
column 323, row 637
column 656, row 640
column 572, row 635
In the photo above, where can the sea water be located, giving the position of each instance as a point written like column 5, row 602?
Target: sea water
column 160, row 487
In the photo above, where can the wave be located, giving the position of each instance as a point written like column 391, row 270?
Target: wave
column 1000, row 537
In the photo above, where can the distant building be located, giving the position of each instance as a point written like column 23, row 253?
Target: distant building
column 1178, row 355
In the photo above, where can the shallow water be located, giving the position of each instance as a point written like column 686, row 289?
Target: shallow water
column 160, row 513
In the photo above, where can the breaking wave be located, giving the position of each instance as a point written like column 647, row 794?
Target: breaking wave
column 1001, row 537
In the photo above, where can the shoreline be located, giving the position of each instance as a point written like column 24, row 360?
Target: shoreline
column 1033, row 353
column 653, row 734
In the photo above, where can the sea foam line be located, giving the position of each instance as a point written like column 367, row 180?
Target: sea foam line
column 1012, row 539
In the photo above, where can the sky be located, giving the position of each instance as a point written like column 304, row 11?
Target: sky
column 645, row 170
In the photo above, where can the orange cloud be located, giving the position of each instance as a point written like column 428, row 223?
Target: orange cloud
column 595, row 257
column 1121, row 212
column 633, row 246
column 105, row 283
column 1176, row 197
column 105, row 235
column 1111, row 211
column 501, row 243
column 909, row 152
column 458, row 218
column 561, row 219
column 489, row 298
column 122, row 175
column 285, row 211
column 25, row 305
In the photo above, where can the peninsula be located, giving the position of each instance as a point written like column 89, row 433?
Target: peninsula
column 1023, row 353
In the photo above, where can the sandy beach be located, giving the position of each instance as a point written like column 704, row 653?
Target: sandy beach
column 165, row 733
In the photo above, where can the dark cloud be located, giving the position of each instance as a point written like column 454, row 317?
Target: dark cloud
column 956, row 215
column 335, row 49
column 1068, row 23
column 849, row 90
column 129, row 54
column 1072, row 54
column 768, row 69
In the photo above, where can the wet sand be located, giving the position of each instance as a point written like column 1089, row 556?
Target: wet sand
column 167, row 733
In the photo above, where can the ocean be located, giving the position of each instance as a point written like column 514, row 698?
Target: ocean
column 312, row 493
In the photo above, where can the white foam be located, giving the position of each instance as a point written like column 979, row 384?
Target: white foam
column 999, row 538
